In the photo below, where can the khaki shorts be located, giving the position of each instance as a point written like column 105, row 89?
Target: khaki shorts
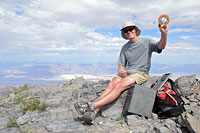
column 139, row 77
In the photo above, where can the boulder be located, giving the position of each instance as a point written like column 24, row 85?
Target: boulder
column 114, row 109
column 185, row 83
column 192, row 124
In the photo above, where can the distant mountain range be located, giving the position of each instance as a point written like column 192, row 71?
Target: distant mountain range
column 177, row 69
column 31, row 73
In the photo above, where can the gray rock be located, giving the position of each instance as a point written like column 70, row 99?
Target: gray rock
column 198, row 96
column 161, row 129
column 59, row 114
column 40, row 92
column 24, row 119
column 193, row 104
column 3, row 122
column 10, row 130
column 30, row 116
column 65, row 126
column 185, row 83
column 54, row 102
column 196, row 87
column 154, row 117
column 187, row 102
column 12, row 95
column 37, row 129
column 133, row 117
column 179, row 130
column 137, row 123
column 79, row 81
column 75, row 95
column 192, row 124
column 170, row 124
column 114, row 109
column 192, row 98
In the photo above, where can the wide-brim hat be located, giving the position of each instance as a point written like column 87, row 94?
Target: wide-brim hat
column 127, row 25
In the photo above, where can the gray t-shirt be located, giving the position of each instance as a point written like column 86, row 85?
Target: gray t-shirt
column 137, row 56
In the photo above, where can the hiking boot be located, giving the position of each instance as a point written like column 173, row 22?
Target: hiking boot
column 88, row 116
column 82, row 107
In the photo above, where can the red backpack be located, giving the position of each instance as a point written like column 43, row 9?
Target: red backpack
column 166, row 96
column 168, row 102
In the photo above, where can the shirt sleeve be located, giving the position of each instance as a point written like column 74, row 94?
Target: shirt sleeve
column 154, row 46
column 122, row 57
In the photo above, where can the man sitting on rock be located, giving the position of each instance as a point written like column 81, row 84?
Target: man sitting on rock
column 133, row 67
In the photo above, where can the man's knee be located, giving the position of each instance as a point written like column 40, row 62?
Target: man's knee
column 120, row 87
column 115, row 81
column 112, row 84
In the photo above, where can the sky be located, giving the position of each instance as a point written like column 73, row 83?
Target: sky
column 88, row 31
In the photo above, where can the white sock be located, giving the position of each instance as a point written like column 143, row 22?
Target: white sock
column 92, row 107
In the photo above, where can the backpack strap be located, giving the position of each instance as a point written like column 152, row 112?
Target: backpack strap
column 173, row 86
column 167, row 92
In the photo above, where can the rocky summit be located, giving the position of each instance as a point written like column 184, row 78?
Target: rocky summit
column 49, row 108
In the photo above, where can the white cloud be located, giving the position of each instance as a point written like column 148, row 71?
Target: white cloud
column 182, row 30
column 45, row 28
column 12, row 72
column 13, row 76
column 185, row 37
column 183, row 45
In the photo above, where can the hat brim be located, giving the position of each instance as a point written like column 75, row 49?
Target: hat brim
column 127, row 27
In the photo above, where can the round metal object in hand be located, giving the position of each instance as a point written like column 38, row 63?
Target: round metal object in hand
column 163, row 19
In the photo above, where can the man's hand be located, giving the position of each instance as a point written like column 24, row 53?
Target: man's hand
column 163, row 28
column 122, row 73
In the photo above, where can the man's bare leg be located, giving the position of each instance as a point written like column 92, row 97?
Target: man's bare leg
column 114, row 93
column 110, row 86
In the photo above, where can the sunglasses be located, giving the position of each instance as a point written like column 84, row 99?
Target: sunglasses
column 126, row 30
